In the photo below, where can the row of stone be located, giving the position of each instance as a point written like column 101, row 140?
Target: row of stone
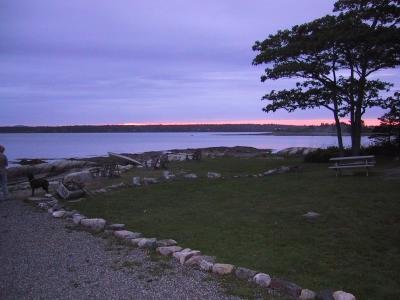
column 167, row 175
column 194, row 258
column 189, row 257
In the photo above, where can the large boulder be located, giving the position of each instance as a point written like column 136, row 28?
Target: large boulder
column 96, row 225
column 66, row 194
column 80, row 178
column 296, row 151
column 58, row 166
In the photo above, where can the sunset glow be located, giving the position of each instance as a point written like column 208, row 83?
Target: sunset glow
column 307, row 122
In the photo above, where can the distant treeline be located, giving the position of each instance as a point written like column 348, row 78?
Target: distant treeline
column 167, row 128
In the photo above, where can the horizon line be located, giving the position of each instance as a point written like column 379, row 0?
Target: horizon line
column 292, row 122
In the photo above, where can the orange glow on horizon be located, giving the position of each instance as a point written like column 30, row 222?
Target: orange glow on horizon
column 307, row 122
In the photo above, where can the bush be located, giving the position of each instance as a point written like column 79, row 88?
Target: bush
column 322, row 155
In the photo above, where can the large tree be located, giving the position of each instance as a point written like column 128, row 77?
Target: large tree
column 334, row 57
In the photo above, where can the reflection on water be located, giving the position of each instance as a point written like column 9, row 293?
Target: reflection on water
column 65, row 145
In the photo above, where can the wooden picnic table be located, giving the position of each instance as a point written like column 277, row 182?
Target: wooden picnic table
column 353, row 162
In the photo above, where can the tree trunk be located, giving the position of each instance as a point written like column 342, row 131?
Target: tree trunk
column 339, row 134
column 356, row 133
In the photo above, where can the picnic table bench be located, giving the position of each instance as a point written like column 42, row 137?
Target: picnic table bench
column 352, row 162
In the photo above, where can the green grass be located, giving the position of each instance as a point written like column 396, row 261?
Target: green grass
column 257, row 222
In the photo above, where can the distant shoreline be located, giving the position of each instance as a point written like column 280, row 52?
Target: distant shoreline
column 247, row 129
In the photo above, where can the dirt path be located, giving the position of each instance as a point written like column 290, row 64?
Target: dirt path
column 42, row 259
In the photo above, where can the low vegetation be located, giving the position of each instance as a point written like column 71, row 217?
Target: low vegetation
column 257, row 222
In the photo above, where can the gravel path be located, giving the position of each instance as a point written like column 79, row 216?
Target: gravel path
column 41, row 258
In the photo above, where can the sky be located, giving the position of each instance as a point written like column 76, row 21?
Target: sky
column 143, row 62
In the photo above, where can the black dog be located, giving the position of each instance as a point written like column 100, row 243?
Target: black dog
column 38, row 183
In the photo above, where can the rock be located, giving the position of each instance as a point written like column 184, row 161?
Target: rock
column 77, row 219
column 58, row 214
column 262, row 279
column 136, row 181
column 325, row 295
column 148, row 180
column 311, row 215
column 307, row 295
column 115, row 186
column 147, row 243
column 178, row 254
column 56, row 167
column 206, row 266
column 296, row 151
column 197, row 259
column 270, row 172
column 95, row 225
column 340, row 295
column 127, row 235
column 69, row 214
column 116, row 226
column 135, row 242
column 80, row 178
column 165, row 251
column 166, row 243
column 179, row 156
column 186, row 255
column 286, row 287
column 67, row 194
column 283, row 169
column 190, row 176
column 244, row 273
column 222, row 269
column 213, row 175
column 124, row 169
column 167, row 175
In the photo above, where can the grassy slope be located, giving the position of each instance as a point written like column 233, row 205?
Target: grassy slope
column 257, row 222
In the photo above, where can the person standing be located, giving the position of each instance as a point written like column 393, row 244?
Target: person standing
column 3, row 173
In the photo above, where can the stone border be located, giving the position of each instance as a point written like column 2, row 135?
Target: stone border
column 187, row 256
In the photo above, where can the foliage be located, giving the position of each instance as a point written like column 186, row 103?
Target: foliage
column 323, row 155
column 333, row 58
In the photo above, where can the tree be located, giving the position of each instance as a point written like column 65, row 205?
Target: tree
column 333, row 58
column 370, row 43
column 389, row 128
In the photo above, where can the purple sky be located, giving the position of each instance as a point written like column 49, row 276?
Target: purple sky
column 102, row 61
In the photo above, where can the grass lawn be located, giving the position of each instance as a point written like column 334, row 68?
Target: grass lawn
column 257, row 222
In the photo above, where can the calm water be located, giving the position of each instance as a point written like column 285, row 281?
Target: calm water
column 66, row 145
